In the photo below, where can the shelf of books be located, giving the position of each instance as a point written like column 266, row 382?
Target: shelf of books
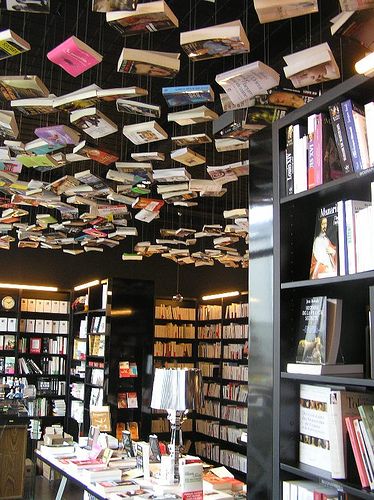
column 111, row 355
column 174, row 347
column 34, row 343
column 323, row 251
column 222, row 354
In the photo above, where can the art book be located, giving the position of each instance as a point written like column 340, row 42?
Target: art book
column 193, row 94
column 74, row 56
column 311, row 66
column 113, row 5
column 149, row 63
column 148, row 17
column 12, row 44
column 58, row 134
column 324, row 261
column 127, row 369
column 138, row 108
column 22, row 87
column 215, row 41
column 93, row 122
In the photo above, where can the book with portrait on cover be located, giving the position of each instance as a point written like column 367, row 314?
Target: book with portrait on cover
column 324, row 261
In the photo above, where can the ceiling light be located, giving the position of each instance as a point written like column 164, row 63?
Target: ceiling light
column 221, row 295
column 29, row 287
column 365, row 66
column 87, row 285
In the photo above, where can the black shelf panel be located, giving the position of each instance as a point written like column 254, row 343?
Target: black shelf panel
column 96, row 311
column 243, row 361
column 233, row 402
column 172, row 339
column 94, row 385
column 329, row 379
column 163, row 321
column 38, row 354
column 180, row 358
column 334, row 185
column 319, row 475
column 344, row 280
column 37, row 334
column 233, row 340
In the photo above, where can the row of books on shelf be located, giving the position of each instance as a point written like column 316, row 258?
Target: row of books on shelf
column 171, row 330
column 173, row 364
column 37, row 345
column 235, row 351
column 44, row 326
column 331, row 145
column 45, row 306
column 164, row 311
column 211, row 408
column 213, row 451
column 237, row 310
column 96, row 396
column 234, row 413
column 8, row 324
column 48, row 365
column 213, row 331
column 98, row 324
column 296, row 489
column 215, row 429
column 235, row 392
column 43, row 407
column 209, row 369
column 96, row 345
column 209, row 312
column 211, row 389
column 171, row 349
column 159, row 425
column 235, row 372
column 50, row 387
column 212, row 350
column 235, row 331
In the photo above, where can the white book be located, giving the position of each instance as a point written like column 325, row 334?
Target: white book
column 351, row 208
column 300, row 150
column 64, row 307
column 47, row 305
column 31, row 305
column 143, row 133
column 275, row 10
column 23, row 305
column 360, row 127
column 12, row 324
column 55, row 306
column 247, row 81
column 88, row 92
column 12, row 44
column 30, row 325
column 93, row 122
column 39, row 326
column 47, row 326
column 39, row 306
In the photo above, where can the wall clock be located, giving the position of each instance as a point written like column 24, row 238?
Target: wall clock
column 8, row 302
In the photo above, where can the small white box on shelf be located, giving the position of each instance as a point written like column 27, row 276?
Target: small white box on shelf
column 47, row 306
column 23, row 304
column 55, row 306
column 64, row 309
column 30, row 325
column 47, row 326
column 63, row 327
column 39, row 305
column 39, row 326
column 55, row 326
column 12, row 324
column 31, row 305
column 3, row 324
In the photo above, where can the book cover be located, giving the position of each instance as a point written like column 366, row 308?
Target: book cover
column 186, row 140
column 324, row 261
column 148, row 17
column 314, row 444
column 132, row 400
column 35, row 6
column 347, row 110
column 269, row 12
column 193, row 94
column 349, row 421
column 74, row 56
column 356, row 4
column 187, row 157
column 289, row 161
column 22, row 87
column 127, row 369
column 12, row 44
column 360, row 127
column 143, row 133
column 122, row 400
column 138, row 108
column 215, row 41
column 357, row 25
column 93, row 122
column 149, row 63
column 58, row 134
column 96, row 153
column 341, row 138
column 312, row 331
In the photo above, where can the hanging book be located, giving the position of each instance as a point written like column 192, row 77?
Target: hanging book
column 356, row 4
column 93, row 122
column 149, row 63
column 356, row 25
column 113, row 5
column 143, row 133
column 148, row 156
column 148, row 17
column 109, row 95
column 269, row 11
column 8, row 124
column 215, row 41
column 247, row 81
column 12, row 44
column 58, row 134
column 74, row 56
column 192, row 116
column 194, row 94
column 35, row 6
column 34, row 106
column 187, row 140
column 22, row 87
column 324, row 263
column 187, row 157
column 311, row 66
column 138, row 108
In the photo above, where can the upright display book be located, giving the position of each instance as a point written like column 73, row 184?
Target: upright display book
column 310, row 66
column 247, row 81
column 12, row 44
column 138, row 108
column 93, row 122
column 324, row 261
column 193, row 94
column 117, row 5
column 143, row 133
column 215, row 41
column 74, row 56
column 277, row 10
column 149, row 63
column 148, row 17
column 22, row 87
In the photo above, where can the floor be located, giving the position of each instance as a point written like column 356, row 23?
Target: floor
column 46, row 490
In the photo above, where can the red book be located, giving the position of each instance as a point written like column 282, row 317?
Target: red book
column 35, row 345
column 74, row 56
column 349, row 421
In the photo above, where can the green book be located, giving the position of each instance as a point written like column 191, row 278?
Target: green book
column 367, row 415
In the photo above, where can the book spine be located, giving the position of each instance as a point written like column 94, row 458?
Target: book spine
column 356, row 451
column 318, row 174
column 341, row 139
column 350, row 236
column 363, row 451
column 342, row 238
column 336, row 436
column 290, row 161
column 369, row 114
column 311, row 155
column 300, row 159
column 360, row 126
column 352, row 135
column 368, row 448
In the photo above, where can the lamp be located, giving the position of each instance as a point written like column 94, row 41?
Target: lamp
column 365, row 66
column 177, row 390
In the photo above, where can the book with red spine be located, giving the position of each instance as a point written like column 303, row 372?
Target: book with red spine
column 349, row 421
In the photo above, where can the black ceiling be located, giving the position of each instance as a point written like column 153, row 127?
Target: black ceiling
column 74, row 17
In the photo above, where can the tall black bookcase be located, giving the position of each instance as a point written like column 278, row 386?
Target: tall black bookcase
column 115, row 325
column 294, row 223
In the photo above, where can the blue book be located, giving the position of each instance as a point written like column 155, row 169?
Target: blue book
column 347, row 109
column 194, row 94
